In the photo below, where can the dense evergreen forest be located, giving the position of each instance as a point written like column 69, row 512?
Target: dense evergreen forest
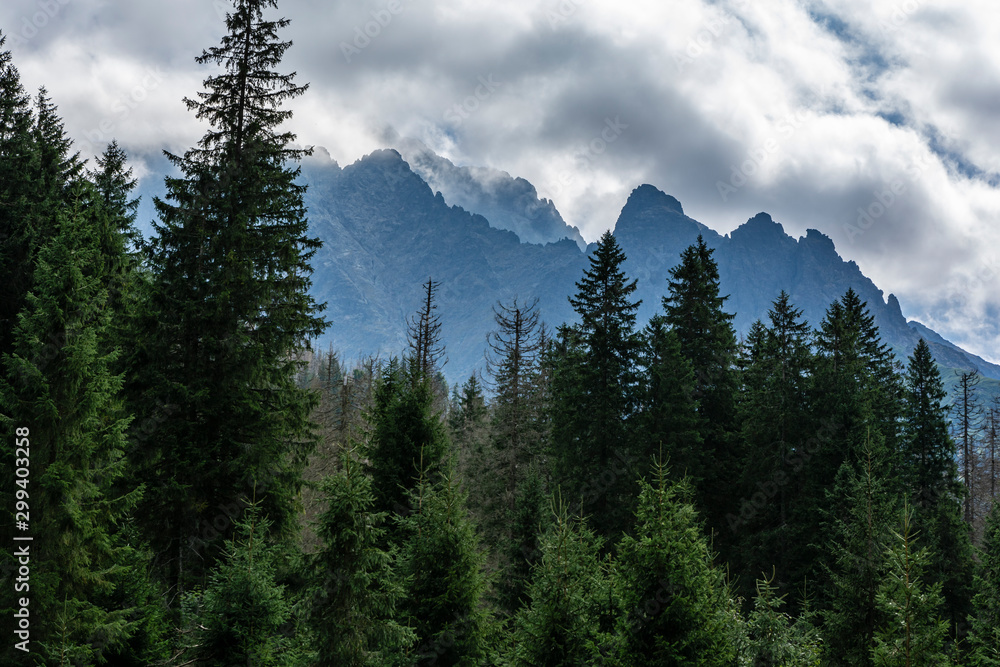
column 201, row 488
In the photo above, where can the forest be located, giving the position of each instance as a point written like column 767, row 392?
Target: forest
column 188, row 481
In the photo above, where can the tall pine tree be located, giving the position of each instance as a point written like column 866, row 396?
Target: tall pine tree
column 61, row 394
column 227, row 310
column 694, row 311
column 935, row 491
column 594, row 392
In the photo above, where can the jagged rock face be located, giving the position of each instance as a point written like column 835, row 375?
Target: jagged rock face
column 385, row 232
column 508, row 203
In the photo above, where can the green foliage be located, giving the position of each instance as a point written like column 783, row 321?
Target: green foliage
column 694, row 311
column 984, row 637
column 570, row 596
column 856, row 523
column 58, row 382
column 677, row 607
column 442, row 565
column 931, row 475
column 226, row 312
column 914, row 633
column 242, row 616
column 776, row 426
column 406, row 434
column 355, row 589
column 668, row 410
column 594, row 392
column 774, row 639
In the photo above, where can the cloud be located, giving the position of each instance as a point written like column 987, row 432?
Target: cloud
column 873, row 122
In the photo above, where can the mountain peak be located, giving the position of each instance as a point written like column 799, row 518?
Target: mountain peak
column 760, row 228
column 649, row 196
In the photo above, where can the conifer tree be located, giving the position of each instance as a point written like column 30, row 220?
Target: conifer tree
column 859, row 509
column 934, row 488
column 774, row 639
column 676, row 604
column 356, row 594
column 984, row 637
column 241, row 616
column 424, row 334
column 668, row 409
column 914, row 633
column 469, row 428
column 594, row 392
column 774, row 412
column 406, row 435
column 443, row 567
column 968, row 415
column 227, row 310
column 569, row 597
column 60, row 393
column 694, row 311
column 514, row 359
column 18, row 194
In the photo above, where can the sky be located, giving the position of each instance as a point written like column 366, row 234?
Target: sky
column 873, row 122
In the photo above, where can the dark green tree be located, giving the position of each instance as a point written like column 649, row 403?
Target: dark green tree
column 935, row 491
column 407, row 435
column 569, row 598
column 984, row 636
column 677, row 608
column 60, row 394
column 694, row 311
column 857, row 523
column 594, row 392
column 776, row 425
column 774, row 639
column 241, row 617
column 668, row 411
column 443, row 567
column 18, row 195
column 356, row 592
column 914, row 633
column 227, row 311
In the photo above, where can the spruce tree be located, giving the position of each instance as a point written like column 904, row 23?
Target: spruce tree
column 984, row 636
column 668, row 411
column 18, row 194
column 594, row 392
column 569, row 598
column 676, row 605
column 356, row 593
column 774, row 412
column 442, row 565
column 774, row 639
column 694, row 311
column 226, row 311
column 934, row 488
column 859, row 509
column 914, row 632
column 241, row 617
column 407, row 435
column 61, row 395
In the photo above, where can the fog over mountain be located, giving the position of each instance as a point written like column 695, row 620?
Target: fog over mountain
column 386, row 230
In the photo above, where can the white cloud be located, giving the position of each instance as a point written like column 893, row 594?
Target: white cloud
column 827, row 104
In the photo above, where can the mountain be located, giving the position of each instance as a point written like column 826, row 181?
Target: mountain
column 508, row 203
column 385, row 231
